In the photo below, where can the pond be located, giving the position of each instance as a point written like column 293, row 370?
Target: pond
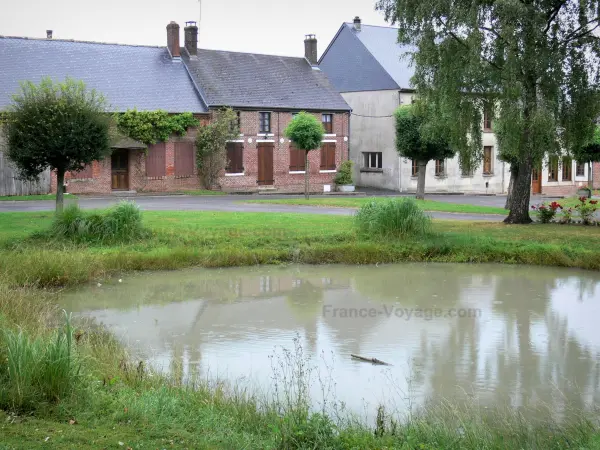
column 515, row 336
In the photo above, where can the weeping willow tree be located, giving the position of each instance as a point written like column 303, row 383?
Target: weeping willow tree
column 536, row 63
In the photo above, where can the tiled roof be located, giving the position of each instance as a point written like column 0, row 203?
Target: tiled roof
column 367, row 60
column 262, row 81
column 128, row 76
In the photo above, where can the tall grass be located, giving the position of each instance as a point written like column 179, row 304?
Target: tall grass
column 38, row 370
column 392, row 218
column 122, row 223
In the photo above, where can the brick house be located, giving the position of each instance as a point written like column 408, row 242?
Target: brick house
column 265, row 91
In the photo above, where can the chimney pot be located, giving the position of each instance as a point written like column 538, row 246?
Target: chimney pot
column 310, row 49
column 48, row 34
column 357, row 23
column 191, row 38
column 173, row 39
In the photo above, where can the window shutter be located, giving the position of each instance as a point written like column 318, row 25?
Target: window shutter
column 184, row 159
column 293, row 159
column 155, row 161
column 235, row 157
column 331, row 157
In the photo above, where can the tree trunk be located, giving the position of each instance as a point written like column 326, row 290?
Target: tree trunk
column 511, row 182
column 306, row 176
column 521, row 194
column 60, row 189
column 422, row 166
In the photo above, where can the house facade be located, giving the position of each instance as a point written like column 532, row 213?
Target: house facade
column 265, row 91
column 372, row 72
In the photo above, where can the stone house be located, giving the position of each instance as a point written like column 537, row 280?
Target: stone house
column 372, row 72
column 265, row 91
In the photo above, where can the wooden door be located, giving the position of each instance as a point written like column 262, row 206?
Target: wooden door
column 536, row 180
column 265, row 163
column 120, row 170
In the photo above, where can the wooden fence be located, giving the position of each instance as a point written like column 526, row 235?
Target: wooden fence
column 10, row 184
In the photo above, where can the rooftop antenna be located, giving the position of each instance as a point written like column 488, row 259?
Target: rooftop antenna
column 199, row 13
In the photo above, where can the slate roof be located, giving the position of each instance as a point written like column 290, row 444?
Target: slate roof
column 129, row 76
column 249, row 80
column 367, row 60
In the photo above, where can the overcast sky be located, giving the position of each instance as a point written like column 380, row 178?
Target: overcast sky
column 260, row 26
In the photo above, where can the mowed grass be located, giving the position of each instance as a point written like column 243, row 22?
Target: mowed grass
column 357, row 202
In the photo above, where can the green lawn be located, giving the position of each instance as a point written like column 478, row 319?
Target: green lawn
column 24, row 198
column 357, row 202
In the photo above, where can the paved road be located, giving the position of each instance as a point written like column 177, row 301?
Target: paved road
column 232, row 203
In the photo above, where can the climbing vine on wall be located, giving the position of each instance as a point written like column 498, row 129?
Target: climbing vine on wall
column 150, row 127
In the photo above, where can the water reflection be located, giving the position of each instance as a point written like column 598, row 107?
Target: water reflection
column 534, row 341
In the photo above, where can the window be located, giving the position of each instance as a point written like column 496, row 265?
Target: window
column 327, row 120
column 297, row 162
column 439, row 168
column 487, row 160
column 372, row 160
column 567, row 169
column 155, row 161
column 487, row 119
column 328, row 156
column 235, row 157
column 467, row 172
column 84, row 173
column 579, row 169
column 184, row 159
column 264, row 122
column 553, row 169
column 415, row 168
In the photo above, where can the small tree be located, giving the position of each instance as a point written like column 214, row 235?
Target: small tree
column 61, row 126
column 589, row 153
column 306, row 132
column 211, row 144
column 421, row 140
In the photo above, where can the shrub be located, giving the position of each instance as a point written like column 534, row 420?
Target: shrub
column 546, row 212
column 37, row 370
column 122, row 223
column 587, row 209
column 344, row 174
column 567, row 215
column 392, row 218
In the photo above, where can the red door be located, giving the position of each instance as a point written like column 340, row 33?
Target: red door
column 265, row 163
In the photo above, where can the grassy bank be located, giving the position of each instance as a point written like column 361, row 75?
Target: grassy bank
column 357, row 202
column 217, row 239
column 113, row 402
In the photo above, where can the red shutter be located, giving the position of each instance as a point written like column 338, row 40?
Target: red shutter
column 328, row 156
column 184, row 159
column 155, row 161
column 296, row 159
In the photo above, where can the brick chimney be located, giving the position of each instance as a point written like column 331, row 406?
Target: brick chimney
column 48, row 34
column 310, row 49
column 173, row 39
column 357, row 23
column 191, row 38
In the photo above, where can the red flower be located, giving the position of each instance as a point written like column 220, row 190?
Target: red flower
column 593, row 202
column 582, row 199
column 533, row 207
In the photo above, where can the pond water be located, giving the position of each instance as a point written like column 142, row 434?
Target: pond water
column 505, row 335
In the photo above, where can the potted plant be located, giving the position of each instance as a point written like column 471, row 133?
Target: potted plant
column 584, row 191
column 343, row 178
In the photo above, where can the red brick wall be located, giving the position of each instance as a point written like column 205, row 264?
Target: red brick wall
column 283, row 180
column 596, row 175
column 138, row 181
